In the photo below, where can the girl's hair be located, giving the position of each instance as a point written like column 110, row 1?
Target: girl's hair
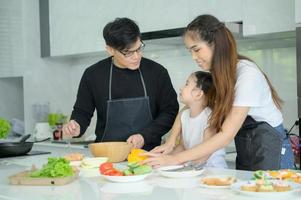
column 204, row 82
column 223, row 66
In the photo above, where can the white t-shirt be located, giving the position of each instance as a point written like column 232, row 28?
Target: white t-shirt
column 252, row 90
column 193, row 131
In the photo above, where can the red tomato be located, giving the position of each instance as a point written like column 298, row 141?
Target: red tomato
column 105, row 166
column 116, row 173
column 109, row 172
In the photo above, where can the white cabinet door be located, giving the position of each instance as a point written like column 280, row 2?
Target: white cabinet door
column 76, row 27
column 298, row 12
column 225, row 10
column 267, row 16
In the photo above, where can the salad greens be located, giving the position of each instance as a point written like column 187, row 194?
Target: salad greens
column 56, row 167
column 4, row 128
column 136, row 169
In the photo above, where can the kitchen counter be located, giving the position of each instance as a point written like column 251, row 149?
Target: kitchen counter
column 153, row 187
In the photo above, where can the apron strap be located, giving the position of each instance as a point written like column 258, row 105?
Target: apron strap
column 110, row 82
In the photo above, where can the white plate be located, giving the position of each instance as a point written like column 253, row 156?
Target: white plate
column 215, row 186
column 95, row 162
column 127, row 188
column 125, row 179
column 236, row 187
column 182, row 174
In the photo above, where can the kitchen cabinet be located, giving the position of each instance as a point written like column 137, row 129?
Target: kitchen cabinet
column 76, row 28
column 225, row 10
column 267, row 16
column 298, row 12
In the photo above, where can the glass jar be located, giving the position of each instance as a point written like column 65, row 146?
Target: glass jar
column 58, row 132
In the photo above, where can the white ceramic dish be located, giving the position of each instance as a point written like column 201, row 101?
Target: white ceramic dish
column 127, row 188
column 89, row 163
column 178, row 174
column 126, row 179
column 236, row 187
column 202, row 184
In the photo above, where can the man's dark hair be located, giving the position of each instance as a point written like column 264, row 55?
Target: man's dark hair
column 121, row 33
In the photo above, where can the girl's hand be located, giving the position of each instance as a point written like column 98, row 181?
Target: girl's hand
column 163, row 149
column 157, row 160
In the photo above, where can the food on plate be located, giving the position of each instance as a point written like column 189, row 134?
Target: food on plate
column 266, row 185
column 265, row 188
column 74, row 157
column 281, row 187
column 135, row 168
column 218, row 181
column 55, row 167
column 250, row 187
column 89, row 163
column 134, row 156
column 284, row 174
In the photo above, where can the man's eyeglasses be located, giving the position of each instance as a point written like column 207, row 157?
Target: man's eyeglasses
column 131, row 53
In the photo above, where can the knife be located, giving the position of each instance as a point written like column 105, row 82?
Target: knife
column 188, row 167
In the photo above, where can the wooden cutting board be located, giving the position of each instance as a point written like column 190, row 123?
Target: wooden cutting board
column 23, row 178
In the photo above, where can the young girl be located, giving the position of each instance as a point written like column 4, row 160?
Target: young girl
column 195, row 94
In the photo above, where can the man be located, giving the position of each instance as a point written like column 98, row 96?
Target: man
column 133, row 96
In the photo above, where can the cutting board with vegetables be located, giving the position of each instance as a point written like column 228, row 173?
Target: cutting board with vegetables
column 56, row 172
column 23, row 178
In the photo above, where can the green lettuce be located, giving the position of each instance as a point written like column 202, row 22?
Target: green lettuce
column 56, row 167
column 4, row 128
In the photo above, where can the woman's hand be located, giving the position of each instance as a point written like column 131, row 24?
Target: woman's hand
column 157, row 160
column 72, row 129
column 164, row 148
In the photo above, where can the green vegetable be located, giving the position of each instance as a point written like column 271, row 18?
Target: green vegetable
column 127, row 172
column 143, row 169
column 56, row 167
column 259, row 174
column 4, row 128
column 136, row 169
column 133, row 165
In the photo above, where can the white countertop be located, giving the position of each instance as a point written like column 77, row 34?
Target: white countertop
column 153, row 187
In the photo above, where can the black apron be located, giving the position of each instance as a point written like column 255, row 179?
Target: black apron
column 258, row 146
column 126, row 117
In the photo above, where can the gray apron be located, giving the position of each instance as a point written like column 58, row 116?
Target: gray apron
column 258, row 146
column 126, row 117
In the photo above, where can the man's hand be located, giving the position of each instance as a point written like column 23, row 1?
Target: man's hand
column 136, row 140
column 71, row 129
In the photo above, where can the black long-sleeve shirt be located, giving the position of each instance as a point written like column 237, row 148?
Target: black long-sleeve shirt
column 93, row 93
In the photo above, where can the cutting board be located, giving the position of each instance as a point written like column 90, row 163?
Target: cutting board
column 23, row 178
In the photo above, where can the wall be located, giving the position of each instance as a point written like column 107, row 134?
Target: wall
column 56, row 79
column 11, row 98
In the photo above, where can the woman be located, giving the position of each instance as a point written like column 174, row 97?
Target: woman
column 246, row 105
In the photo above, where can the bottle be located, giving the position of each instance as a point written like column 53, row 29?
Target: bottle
column 58, row 132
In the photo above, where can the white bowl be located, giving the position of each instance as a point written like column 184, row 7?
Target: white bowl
column 90, row 163
column 125, row 179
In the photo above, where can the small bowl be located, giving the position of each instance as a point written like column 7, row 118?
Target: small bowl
column 115, row 151
column 89, row 163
